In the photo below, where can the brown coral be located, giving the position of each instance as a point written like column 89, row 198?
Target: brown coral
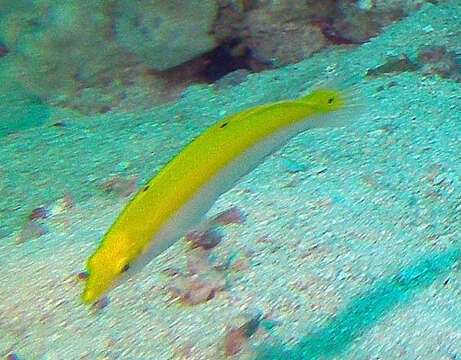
column 281, row 39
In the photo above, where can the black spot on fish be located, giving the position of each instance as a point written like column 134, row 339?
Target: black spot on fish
column 223, row 125
column 146, row 188
column 125, row 268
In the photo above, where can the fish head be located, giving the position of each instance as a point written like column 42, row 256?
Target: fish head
column 325, row 100
column 109, row 263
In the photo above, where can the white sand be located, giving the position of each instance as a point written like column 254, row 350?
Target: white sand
column 356, row 257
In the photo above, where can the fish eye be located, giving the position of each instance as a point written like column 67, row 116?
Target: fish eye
column 330, row 100
column 125, row 268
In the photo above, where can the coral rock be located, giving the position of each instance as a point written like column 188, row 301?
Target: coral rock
column 281, row 41
column 165, row 34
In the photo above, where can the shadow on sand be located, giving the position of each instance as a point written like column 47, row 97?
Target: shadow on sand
column 363, row 312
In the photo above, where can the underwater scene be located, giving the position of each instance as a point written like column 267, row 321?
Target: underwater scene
column 230, row 179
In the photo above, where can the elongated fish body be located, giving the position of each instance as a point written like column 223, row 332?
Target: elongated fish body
column 175, row 200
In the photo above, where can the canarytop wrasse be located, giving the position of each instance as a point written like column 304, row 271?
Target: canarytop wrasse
column 175, row 200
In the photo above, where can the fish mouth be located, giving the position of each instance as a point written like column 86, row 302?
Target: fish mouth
column 92, row 293
column 89, row 296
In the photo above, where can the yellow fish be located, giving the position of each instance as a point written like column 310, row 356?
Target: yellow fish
column 175, row 200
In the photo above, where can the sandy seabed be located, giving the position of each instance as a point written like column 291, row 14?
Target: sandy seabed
column 351, row 247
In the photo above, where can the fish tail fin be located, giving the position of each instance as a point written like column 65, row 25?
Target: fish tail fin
column 338, row 103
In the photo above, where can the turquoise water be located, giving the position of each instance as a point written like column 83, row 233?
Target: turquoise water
column 343, row 244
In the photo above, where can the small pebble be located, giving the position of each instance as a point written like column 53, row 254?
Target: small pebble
column 59, row 124
column 207, row 240
column 120, row 186
column 12, row 356
column 320, row 170
column 101, row 303
column 439, row 179
column 61, row 205
column 233, row 215
column 238, row 334
column 234, row 342
column 39, row 213
column 82, row 276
